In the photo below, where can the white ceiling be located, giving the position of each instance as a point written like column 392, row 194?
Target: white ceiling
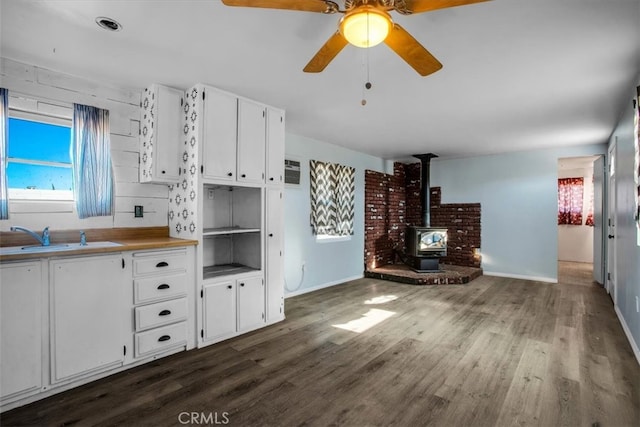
column 518, row 74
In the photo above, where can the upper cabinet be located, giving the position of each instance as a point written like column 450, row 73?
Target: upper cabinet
column 251, row 141
column 160, row 134
column 275, row 146
column 220, row 121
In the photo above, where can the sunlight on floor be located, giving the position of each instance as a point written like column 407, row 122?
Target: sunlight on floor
column 381, row 299
column 368, row 320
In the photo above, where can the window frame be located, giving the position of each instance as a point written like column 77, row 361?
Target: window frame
column 47, row 112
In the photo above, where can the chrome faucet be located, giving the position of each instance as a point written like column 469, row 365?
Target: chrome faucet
column 44, row 240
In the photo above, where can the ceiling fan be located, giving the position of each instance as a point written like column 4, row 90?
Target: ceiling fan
column 366, row 23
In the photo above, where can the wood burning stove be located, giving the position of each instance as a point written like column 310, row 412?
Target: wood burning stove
column 425, row 245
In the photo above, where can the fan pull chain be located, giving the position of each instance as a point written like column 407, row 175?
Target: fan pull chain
column 365, row 64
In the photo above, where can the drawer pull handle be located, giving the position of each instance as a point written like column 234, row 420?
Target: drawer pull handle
column 164, row 338
column 164, row 313
column 229, row 286
column 229, row 174
column 162, row 264
column 270, row 234
column 163, row 286
column 241, row 284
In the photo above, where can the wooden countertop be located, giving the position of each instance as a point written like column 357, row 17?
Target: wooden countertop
column 129, row 240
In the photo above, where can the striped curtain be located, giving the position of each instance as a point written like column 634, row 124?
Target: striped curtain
column 570, row 198
column 91, row 158
column 332, row 198
column 4, row 139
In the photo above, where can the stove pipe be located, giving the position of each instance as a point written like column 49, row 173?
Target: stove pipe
column 425, row 187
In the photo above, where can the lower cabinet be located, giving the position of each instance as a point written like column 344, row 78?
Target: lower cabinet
column 87, row 315
column 20, row 328
column 231, row 306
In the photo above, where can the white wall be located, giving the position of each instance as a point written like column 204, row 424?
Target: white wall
column 518, row 195
column 627, row 250
column 124, row 111
column 326, row 264
column 575, row 242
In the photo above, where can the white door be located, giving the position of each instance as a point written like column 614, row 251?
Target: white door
column 275, row 263
column 250, row 303
column 251, row 141
column 219, row 311
column 275, row 146
column 88, row 312
column 20, row 328
column 611, row 224
column 167, row 135
column 599, row 249
column 220, row 135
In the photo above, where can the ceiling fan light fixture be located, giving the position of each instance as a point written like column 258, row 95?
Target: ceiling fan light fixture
column 366, row 26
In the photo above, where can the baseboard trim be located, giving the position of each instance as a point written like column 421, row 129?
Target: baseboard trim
column 627, row 332
column 521, row 276
column 324, row 285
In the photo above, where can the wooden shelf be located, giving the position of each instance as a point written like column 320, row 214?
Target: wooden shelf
column 226, row 270
column 228, row 230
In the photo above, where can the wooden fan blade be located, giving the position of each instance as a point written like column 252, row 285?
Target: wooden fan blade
column 327, row 52
column 408, row 48
column 419, row 6
column 301, row 5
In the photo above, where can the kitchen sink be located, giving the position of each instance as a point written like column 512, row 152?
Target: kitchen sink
column 56, row 247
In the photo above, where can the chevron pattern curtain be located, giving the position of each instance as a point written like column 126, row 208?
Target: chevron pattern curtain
column 332, row 198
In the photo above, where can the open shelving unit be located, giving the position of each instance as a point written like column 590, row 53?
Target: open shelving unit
column 232, row 230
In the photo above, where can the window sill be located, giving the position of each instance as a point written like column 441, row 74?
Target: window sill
column 324, row 238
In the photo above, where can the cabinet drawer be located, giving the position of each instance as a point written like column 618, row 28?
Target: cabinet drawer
column 161, row 313
column 160, row 339
column 159, row 262
column 159, row 287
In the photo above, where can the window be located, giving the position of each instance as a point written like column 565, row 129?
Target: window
column 38, row 160
column 332, row 200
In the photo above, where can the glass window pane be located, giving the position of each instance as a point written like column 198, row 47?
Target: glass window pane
column 26, row 176
column 39, row 141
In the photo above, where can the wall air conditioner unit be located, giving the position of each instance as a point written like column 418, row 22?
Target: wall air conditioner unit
column 291, row 172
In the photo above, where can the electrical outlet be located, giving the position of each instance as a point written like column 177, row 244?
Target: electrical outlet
column 138, row 211
column 211, row 193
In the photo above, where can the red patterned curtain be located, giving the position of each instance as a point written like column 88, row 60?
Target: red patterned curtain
column 570, row 195
column 589, row 220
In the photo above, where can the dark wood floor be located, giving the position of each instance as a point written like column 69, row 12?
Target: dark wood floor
column 493, row 352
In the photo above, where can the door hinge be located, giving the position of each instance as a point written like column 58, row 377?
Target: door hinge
column 201, row 293
column 201, row 168
column 262, row 113
column 608, row 276
column 123, row 263
column 262, row 316
column 281, row 119
column 181, row 102
column 201, row 333
column 125, row 350
column 203, row 95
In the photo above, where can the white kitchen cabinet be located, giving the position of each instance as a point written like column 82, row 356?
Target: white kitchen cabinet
column 87, row 315
column 275, row 146
column 232, row 306
column 251, row 141
column 274, row 255
column 250, row 303
column 161, row 134
column 220, row 122
column 20, row 328
column 219, row 304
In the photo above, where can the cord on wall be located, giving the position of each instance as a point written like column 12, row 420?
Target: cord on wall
column 299, row 284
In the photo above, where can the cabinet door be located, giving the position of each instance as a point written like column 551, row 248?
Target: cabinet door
column 250, row 303
column 20, row 328
column 251, row 141
column 88, row 311
column 220, row 135
column 275, row 146
column 219, row 310
column 161, row 135
column 275, row 263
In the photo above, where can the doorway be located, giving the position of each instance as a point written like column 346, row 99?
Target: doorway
column 611, row 223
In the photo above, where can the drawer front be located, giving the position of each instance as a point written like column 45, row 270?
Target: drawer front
column 160, row 313
column 159, row 262
column 160, row 339
column 159, row 287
